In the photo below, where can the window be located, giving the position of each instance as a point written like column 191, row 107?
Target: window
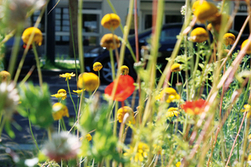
column 34, row 18
column 62, row 25
column 169, row 35
column 167, row 19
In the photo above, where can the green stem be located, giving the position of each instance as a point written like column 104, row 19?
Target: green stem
column 33, row 136
column 14, row 52
column 2, row 122
column 28, row 45
column 73, row 45
column 38, row 65
column 112, row 64
column 121, row 27
column 69, row 90
column 80, row 41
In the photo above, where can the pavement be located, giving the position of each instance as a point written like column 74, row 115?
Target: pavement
column 23, row 140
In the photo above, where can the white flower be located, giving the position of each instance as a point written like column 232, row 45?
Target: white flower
column 62, row 146
column 9, row 98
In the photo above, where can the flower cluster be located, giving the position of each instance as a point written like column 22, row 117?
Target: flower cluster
column 141, row 152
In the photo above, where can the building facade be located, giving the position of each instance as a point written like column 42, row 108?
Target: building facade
column 94, row 10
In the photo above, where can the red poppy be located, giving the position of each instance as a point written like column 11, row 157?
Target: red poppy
column 194, row 107
column 124, row 89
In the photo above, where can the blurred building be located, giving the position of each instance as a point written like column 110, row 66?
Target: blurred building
column 93, row 10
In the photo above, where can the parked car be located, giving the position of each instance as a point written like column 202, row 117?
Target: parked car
column 168, row 39
column 167, row 42
column 29, row 59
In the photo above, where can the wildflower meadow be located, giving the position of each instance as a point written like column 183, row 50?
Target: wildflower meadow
column 195, row 111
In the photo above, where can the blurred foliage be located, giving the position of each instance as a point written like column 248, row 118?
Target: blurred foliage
column 36, row 104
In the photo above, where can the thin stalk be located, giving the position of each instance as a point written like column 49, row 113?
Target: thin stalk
column 27, row 75
column 112, row 63
column 245, row 140
column 14, row 52
column 35, row 141
column 28, row 45
column 38, row 65
column 73, row 45
column 2, row 123
column 80, row 42
column 69, row 90
column 237, row 136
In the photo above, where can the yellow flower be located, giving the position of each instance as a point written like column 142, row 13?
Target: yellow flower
column 249, row 157
column 5, row 76
column 97, row 66
column 196, row 4
column 60, row 94
column 229, row 39
column 107, row 41
column 169, row 94
column 175, row 67
column 244, row 43
column 249, row 138
column 199, row 35
column 37, row 35
column 78, row 91
column 172, row 111
column 209, row 27
column 67, row 75
column 110, row 20
column 124, row 70
column 246, row 108
column 141, row 152
column 121, row 113
column 89, row 81
column 88, row 137
column 205, row 11
column 59, row 110
column 178, row 164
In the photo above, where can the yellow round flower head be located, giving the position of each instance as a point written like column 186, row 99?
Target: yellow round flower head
column 229, row 39
column 110, row 20
column 37, row 38
column 62, row 91
column 205, row 11
column 59, row 110
column 196, row 4
column 175, row 67
column 88, row 137
column 107, row 41
column 172, row 111
column 244, row 43
column 67, row 75
column 88, row 80
column 124, row 70
column 122, row 111
column 199, row 35
column 5, row 76
column 97, row 66
column 169, row 94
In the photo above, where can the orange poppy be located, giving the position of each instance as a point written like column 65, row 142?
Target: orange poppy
column 124, row 89
column 194, row 107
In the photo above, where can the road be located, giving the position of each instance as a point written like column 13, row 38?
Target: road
column 23, row 139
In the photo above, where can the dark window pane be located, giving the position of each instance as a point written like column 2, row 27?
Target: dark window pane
column 148, row 21
column 173, row 18
column 238, row 22
column 90, row 23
